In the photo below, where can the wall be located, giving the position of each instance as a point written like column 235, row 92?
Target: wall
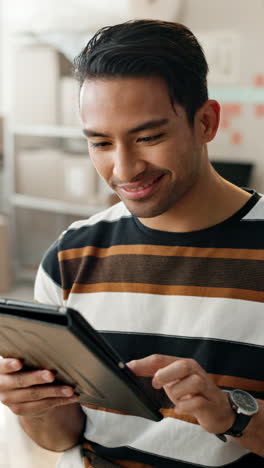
column 242, row 96
column 242, row 123
column 83, row 15
column 1, row 58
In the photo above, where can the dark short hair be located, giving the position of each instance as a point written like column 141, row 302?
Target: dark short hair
column 149, row 48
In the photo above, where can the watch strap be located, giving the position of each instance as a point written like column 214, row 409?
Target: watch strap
column 240, row 423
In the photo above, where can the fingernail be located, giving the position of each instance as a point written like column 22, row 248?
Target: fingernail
column 67, row 391
column 130, row 364
column 155, row 384
column 47, row 376
column 73, row 398
column 15, row 364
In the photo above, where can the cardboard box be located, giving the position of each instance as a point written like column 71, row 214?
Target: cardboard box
column 35, row 232
column 36, row 87
column 5, row 262
column 39, row 173
column 80, row 179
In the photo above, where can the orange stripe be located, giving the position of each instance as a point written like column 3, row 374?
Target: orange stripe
column 124, row 463
column 237, row 382
column 219, row 380
column 247, row 254
column 88, row 446
column 130, row 464
column 87, row 463
column 106, row 410
column 166, row 290
column 170, row 413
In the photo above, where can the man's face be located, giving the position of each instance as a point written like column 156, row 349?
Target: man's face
column 140, row 144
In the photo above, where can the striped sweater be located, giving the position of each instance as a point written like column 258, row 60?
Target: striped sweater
column 196, row 295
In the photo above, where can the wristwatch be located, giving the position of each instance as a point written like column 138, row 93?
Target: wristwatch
column 245, row 406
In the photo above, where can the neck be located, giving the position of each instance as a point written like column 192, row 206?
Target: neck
column 211, row 200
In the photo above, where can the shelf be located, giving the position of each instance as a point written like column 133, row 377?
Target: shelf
column 57, row 206
column 26, row 274
column 48, row 131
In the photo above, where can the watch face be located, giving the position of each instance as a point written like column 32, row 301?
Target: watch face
column 244, row 402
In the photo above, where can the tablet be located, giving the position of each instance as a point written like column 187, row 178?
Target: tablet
column 61, row 340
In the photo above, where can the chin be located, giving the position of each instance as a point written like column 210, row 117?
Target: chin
column 145, row 210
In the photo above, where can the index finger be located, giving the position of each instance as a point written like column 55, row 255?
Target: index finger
column 9, row 365
column 149, row 365
column 176, row 371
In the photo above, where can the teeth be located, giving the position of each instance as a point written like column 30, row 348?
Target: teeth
column 140, row 188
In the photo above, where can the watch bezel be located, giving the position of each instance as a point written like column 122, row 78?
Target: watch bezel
column 237, row 406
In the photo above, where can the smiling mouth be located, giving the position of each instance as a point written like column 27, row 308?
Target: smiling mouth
column 140, row 191
column 141, row 187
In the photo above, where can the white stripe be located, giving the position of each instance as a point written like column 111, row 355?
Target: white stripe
column 168, row 438
column 46, row 290
column 71, row 459
column 257, row 212
column 114, row 213
column 219, row 318
column 119, row 210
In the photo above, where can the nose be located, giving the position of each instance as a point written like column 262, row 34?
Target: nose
column 127, row 164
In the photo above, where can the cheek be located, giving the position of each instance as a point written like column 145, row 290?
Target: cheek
column 175, row 155
column 182, row 160
column 102, row 165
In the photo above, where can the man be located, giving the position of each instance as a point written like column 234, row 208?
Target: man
column 174, row 269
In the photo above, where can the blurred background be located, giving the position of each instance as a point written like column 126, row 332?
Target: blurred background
column 46, row 178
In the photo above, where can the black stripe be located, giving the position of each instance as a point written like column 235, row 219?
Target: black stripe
column 232, row 233
column 155, row 269
column 215, row 356
column 50, row 263
column 241, row 235
column 126, row 453
column 219, row 232
column 258, row 395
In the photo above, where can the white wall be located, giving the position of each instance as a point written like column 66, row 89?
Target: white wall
column 80, row 15
column 242, row 139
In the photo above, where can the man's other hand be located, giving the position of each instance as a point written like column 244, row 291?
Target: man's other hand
column 31, row 393
column 190, row 389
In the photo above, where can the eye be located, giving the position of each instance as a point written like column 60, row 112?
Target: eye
column 151, row 138
column 99, row 145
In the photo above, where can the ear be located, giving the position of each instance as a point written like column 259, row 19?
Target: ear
column 208, row 117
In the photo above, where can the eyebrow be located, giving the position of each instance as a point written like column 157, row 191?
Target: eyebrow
column 145, row 126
